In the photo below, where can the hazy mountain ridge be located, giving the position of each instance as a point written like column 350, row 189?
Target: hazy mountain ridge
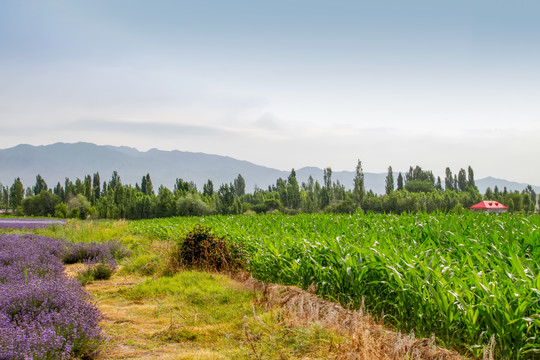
column 56, row 161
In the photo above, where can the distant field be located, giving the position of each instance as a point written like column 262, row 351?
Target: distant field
column 472, row 279
column 28, row 223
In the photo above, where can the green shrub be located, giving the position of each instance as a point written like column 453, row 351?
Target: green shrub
column 102, row 270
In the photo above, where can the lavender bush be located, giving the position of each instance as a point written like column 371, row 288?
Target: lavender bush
column 94, row 251
column 43, row 314
column 29, row 255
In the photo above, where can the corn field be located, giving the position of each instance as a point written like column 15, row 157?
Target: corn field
column 470, row 279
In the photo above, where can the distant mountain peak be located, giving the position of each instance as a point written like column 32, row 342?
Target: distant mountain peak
column 57, row 161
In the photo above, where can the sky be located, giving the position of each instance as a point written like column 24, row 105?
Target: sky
column 281, row 83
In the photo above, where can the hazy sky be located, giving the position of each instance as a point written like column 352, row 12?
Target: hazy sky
column 281, row 83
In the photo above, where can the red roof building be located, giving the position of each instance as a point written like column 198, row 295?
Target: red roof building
column 489, row 206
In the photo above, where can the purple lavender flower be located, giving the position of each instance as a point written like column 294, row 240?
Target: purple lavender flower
column 95, row 251
column 43, row 314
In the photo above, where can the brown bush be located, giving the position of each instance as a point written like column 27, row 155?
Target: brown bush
column 202, row 249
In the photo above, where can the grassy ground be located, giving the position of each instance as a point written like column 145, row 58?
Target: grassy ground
column 198, row 315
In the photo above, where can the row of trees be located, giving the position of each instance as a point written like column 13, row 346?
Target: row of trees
column 416, row 190
column 418, row 180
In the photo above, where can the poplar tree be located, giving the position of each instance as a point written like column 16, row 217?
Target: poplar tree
column 146, row 185
column 326, row 193
column 40, row 185
column 96, row 186
column 5, row 197
column 115, row 180
column 448, row 180
column 239, row 185
column 69, row 189
column 359, row 190
column 208, row 188
column 389, row 181
column 438, row 186
column 88, row 193
column 462, row 180
column 470, row 178
column 16, row 194
column 293, row 190
column 400, row 182
column 59, row 190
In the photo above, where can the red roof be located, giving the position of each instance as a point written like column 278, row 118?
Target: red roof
column 488, row 204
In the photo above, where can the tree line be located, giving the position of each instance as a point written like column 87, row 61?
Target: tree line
column 413, row 191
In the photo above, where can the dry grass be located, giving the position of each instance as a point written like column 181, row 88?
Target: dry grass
column 366, row 339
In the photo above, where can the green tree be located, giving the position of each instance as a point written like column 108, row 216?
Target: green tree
column 146, row 185
column 496, row 193
column 61, row 210
column 462, row 180
column 418, row 174
column 470, row 178
column 511, row 206
column 359, row 190
column 40, row 186
column 79, row 207
column 96, row 186
column 42, row 204
column 115, row 180
column 239, row 185
column 193, row 205
column 182, row 187
column 400, row 182
column 416, row 186
column 517, row 200
column 448, row 180
column 104, row 189
column 389, row 181
column 226, row 195
column 166, row 203
column 59, row 190
column 489, row 195
column 293, row 191
column 88, row 193
column 5, row 197
column 526, row 203
column 208, row 188
column 532, row 194
column 310, row 202
column 281, row 189
column 16, row 194
column 79, row 187
column 327, row 177
column 438, row 185
column 69, row 189
column 326, row 191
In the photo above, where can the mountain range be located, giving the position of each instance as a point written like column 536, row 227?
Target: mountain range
column 57, row 161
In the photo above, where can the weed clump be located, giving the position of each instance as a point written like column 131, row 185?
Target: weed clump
column 97, row 269
column 202, row 249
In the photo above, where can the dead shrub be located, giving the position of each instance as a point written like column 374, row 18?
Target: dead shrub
column 202, row 249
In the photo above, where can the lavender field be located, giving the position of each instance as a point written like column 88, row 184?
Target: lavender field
column 20, row 223
column 43, row 313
